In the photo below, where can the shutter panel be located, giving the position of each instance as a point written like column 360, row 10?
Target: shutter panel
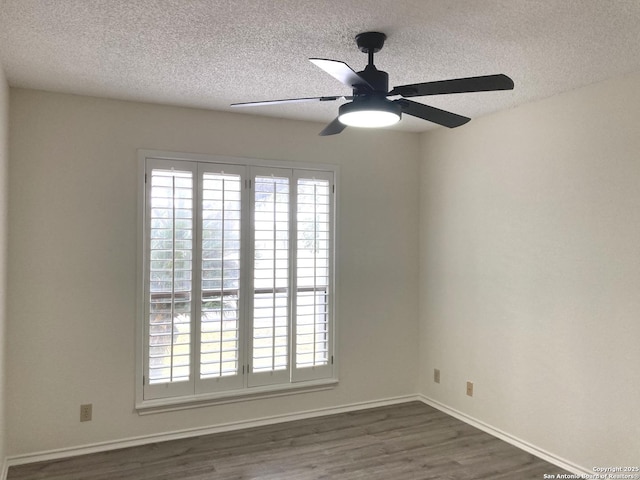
column 271, row 277
column 220, row 348
column 313, row 275
column 169, row 302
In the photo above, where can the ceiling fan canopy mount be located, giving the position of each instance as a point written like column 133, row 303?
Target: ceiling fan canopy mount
column 370, row 42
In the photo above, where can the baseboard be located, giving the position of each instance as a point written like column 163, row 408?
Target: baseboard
column 226, row 427
column 515, row 441
column 194, row 432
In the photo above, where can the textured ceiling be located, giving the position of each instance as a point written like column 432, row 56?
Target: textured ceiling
column 210, row 53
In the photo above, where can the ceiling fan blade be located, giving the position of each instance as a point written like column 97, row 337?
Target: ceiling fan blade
column 432, row 114
column 333, row 128
column 287, row 100
column 486, row 83
column 341, row 72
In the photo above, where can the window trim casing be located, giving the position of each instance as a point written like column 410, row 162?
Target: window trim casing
column 143, row 406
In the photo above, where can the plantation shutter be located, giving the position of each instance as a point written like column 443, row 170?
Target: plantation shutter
column 271, row 299
column 219, row 344
column 169, row 306
column 313, row 304
column 238, row 278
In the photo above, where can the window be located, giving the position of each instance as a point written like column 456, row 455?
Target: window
column 237, row 275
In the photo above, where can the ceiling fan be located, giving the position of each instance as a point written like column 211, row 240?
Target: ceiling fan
column 370, row 105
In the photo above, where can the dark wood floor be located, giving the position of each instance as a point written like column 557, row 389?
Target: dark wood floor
column 411, row 441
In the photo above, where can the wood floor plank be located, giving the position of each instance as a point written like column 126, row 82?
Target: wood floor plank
column 411, row 441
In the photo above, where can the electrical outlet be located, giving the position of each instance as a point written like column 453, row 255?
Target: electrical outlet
column 436, row 375
column 470, row 389
column 85, row 412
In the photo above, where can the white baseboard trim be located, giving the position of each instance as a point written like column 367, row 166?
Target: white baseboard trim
column 227, row 427
column 194, row 432
column 515, row 441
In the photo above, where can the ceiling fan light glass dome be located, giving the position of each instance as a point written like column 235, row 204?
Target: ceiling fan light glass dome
column 369, row 114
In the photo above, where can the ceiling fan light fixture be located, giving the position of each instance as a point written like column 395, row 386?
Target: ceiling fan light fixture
column 370, row 113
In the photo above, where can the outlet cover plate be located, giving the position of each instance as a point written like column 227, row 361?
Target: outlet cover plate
column 86, row 412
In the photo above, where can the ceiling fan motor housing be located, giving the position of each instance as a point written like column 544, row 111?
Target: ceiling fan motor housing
column 378, row 79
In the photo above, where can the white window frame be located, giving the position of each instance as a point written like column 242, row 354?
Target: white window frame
column 247, row 384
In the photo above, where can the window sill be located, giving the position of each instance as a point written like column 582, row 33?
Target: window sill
column 161, row 405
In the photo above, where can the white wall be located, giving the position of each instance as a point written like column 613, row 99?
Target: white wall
column 4, row 167
column 530, row 272
column 72, row 273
